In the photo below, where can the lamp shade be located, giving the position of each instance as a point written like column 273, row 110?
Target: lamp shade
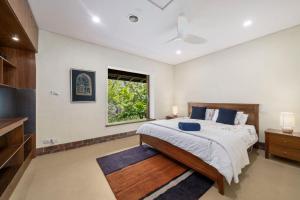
column 287, row 121
column 174, row 110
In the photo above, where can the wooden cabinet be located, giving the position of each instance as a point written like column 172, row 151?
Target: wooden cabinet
column 24, row 14
column 16, row 19
column 18, row 76
column 16, row 150
column 282, row 144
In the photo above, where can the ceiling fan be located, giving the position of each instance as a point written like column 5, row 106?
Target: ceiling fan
column 183, row 34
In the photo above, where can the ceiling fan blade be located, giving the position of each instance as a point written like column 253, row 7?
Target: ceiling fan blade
column 182, row 25
column 193, row 39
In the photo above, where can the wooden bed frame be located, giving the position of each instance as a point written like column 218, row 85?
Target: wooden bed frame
column 191, row 160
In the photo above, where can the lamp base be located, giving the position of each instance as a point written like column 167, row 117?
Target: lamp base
column 289, row 131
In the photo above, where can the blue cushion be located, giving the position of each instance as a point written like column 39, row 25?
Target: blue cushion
column 226, row 116
column 189, row 126
column 198, row 113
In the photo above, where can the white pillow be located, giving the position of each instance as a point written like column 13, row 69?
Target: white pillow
column 237, row 117
column 216, row 114
column 209, row 114
column 240, row 118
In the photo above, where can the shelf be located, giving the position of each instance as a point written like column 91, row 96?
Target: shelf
column 7, row 86
column 8, row 73
column 7, row 125
column 27, row 137
column 7, row 63
column 13, row 162
column 6, row 175
column 7, row 153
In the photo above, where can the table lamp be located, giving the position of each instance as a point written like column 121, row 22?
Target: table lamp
column 174, row 110
column 287, row 122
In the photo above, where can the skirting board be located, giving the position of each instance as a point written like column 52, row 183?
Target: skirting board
column 77, row 144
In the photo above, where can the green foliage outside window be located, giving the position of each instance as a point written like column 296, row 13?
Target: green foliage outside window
column 127, row 101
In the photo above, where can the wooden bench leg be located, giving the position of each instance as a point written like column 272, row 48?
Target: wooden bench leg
column 220, row 183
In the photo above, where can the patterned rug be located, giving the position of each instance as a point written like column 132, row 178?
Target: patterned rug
column 143, row 173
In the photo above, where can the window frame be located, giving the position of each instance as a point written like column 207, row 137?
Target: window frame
column 148, row 118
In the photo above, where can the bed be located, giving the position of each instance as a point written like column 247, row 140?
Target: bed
column 220, row 156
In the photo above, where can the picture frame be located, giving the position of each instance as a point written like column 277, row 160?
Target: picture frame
column 83, row 85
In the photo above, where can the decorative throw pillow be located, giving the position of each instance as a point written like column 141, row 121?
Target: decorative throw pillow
column 209, row 114
column 241, row 118
column 237, row 117
column 216, row 114
column 198, row 113
column 226, row 116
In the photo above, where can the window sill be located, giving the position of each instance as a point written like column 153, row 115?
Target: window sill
column 128, row 122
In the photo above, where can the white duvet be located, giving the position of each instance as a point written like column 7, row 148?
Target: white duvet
column 221, row 146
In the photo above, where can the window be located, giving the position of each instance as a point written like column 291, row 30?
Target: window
column 128, row 97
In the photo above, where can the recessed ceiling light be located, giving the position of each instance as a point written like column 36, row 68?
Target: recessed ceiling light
column 15, row 38
column 247, row 23
column 133, row 18
column 178, row 52
column 95, row 19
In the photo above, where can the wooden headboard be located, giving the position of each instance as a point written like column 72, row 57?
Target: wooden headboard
column 251, row 109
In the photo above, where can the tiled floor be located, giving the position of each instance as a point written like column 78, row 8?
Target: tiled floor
column 75, row 175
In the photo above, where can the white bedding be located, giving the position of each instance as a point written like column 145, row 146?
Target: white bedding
column 221, row 146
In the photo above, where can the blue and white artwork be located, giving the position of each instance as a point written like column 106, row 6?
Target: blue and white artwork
column 82, row 85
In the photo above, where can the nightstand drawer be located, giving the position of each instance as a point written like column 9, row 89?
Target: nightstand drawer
column 284, row 140
column 285, row 152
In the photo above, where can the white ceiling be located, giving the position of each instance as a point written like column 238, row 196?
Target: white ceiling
column 219, row 21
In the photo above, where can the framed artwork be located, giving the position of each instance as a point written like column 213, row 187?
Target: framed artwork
column 83, row 85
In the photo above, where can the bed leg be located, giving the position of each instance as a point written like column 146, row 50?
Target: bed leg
column 220, row 183
column 141, row 142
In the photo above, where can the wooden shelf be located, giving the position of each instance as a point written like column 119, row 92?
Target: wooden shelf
column 27, row 137
column 6, row 175
column 7, row 153
column 7, row 86
column 7, row 63
column 7, row 125
column 14, row 159
column 8, row 73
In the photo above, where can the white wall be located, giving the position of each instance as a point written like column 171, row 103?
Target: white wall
column 264, row 71
column 60, row 119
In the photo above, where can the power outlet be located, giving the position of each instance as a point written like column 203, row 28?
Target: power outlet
column 50, row 141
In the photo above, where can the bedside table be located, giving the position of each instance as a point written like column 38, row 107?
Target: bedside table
column 282, row 144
